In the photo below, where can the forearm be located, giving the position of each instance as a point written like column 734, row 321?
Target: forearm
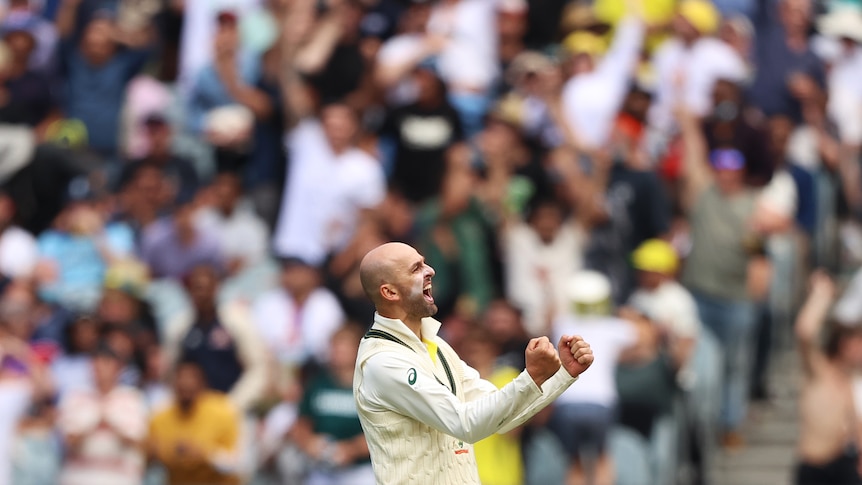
column 551, row 390
column 312, row 57
column 254, row 99
column 66, row 18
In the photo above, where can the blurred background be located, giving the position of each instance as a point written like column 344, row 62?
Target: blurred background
column 187, row 188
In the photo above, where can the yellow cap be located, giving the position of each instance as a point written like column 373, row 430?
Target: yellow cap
column 701, row 14
column 583, row 42
column 656, row 256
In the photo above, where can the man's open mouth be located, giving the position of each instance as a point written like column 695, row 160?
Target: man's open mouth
column 426, row 292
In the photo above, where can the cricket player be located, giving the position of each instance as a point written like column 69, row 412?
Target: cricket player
column 420, row 406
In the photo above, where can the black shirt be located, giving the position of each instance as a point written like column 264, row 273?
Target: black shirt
column 421, row 136
column 213, row 348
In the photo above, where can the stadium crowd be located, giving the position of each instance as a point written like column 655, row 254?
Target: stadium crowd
column 187, row 188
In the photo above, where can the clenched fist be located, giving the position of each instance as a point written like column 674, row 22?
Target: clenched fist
column 542, row 360
column 576, row 354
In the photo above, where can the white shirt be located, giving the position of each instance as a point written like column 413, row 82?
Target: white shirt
column 15, row 397
column 470, row 58
column 697, row 68
column 242, row 234
column 671, row 306
column 19, row 253
column 324, row 195
column 296, row 334
column 592, row 100
column 103, row 421
column 845, row 95
column 416, row 427
column 608, row 337
column 526, row 256
column 780, row 196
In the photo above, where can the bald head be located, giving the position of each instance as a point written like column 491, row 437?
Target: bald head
column 380, row 267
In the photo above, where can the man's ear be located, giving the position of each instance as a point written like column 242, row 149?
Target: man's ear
column 389, row 293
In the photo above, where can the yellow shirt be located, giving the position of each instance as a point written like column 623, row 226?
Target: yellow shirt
column 499, row 456
column 210, row 430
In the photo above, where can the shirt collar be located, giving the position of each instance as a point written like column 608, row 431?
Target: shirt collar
column 396, row 327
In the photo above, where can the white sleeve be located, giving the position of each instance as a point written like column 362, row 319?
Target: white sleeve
column 393, row 383
column 621, row 60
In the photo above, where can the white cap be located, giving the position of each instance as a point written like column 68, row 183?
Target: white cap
column 589, row 287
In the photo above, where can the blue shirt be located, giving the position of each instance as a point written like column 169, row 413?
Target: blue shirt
column 776, row 63
column 95, row 94
column 209, row 91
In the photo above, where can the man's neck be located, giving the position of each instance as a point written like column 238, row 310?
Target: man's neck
column 413, row 323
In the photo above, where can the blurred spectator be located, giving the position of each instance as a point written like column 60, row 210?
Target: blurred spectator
column 789, row 72
column 468, row 60
column 328, row 428
column 221, row 339
column 630, row 205
column 688, row 65
column 242, row 236
column 731, row 122
column 22, row 17
column 25, row 384
column 332, row 58
column 505, row 326
column 421, row 132
column 842, row 29
column 103, row 428
column 828, row 448
column 498, row 456
column 98, row 64
column 75, row 253
column 179, row 171
column 18, row 251
column 146, row 197
column 227, row 83
column 597, row 84
column 665, row 302
column 297, row 320
column 511, row 28
column 73, row 368
column 582, row 417
column 453, row 235
column 541, row 254
column 31, row 99
column 401, row 55
column 173, row 245
column 196, row 438
column 331, row 184
column 724, row 248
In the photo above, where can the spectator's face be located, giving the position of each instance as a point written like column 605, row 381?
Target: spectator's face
column 83, row 219
column 342, row 351
column 725, row 92
column 780, row 129
column 684, row 30
column 795, row 15
column 736, row 38
column 428, row 86
column 546, row 221
column 117, row 307
column 22, row 45
column 729, row 181
column 17, row 311
column 511, row 25
column 98, row 39
column 84, row 335
column 106, row 370
column 226, row 39
column 502, row 322
column 226, row 191
column 638, row 104
column 122, row 343
column 478, row 353
column 850, row 350
column 339, row 125
column 299, row 279
column 159, row 137
column 582, row 64
column 188, row 384
column 202, row 286
column 416, row 18
column 650, row 280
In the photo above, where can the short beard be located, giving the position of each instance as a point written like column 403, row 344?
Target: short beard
column 417, row 306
